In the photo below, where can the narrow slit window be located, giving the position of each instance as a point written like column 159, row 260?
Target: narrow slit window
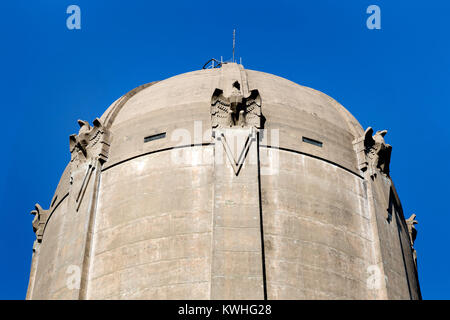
column 155, row 137
column 312, row 141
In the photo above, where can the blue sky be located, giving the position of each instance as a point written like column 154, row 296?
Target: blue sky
column 396, row 78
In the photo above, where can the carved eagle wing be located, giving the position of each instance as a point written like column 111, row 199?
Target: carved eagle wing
column 368, row 139
column 95, row 133
column 253, row 109
column 220, row 109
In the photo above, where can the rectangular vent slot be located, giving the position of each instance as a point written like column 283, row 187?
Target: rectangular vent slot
column 155, row 137
column 312, row 141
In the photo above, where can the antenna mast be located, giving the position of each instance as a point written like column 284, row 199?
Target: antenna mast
column 234, row 41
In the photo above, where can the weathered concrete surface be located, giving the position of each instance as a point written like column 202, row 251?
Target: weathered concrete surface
column 237, row 255
column 141, row 220
column 153, row 232
column 318, row 240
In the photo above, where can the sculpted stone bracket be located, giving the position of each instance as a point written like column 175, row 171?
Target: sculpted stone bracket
column 373, row 153
column 249, row 138
column 235, row 115
column 88, row 148
column 40, row 220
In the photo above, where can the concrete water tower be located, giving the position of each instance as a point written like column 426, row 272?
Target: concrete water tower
column 225, row 183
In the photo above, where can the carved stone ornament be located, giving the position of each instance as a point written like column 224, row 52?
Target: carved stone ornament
column 88, row 148
column 39, row 222
column 410, row 222
column 236, row 156
column 236, row 110
column 90, row 143
column 374, row 153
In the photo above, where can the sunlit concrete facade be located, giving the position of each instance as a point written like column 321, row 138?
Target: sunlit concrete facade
column 152, row 205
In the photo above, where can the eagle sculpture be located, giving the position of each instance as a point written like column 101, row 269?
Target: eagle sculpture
column 236, row 110
column 377, row 150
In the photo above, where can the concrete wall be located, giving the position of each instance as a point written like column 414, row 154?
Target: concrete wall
column 317, row 234
column 153, row 230
column 48, row 263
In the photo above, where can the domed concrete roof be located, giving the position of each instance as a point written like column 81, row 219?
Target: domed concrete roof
column 177, row 102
